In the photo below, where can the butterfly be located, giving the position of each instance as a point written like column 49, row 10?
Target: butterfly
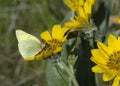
column 28, row 45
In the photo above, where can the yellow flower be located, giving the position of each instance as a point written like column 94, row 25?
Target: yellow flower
column 75, row 4
column 83, row 12
column 107, row 59
column 76, row 22
column 53, row 42
column 57, row 37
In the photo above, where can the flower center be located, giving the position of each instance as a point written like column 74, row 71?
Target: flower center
column 55, row 42
column 114, row 61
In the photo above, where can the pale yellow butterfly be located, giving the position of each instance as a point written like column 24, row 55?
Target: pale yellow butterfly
column 28, row 45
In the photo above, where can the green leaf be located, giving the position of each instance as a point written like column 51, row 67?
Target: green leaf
column 56, row 76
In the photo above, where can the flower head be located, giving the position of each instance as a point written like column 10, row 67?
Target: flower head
column 83, row 12
column 53, row 41
column 107, row 59
column 57, row 37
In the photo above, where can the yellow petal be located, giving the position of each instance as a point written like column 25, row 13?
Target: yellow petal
column 100, row 55
column 118, row 42
column 81, row 2
column 64, row 30
column 87, row 8
column 92, row 2
column 118, row 75
column 98, row 69
column 118, row 20
column 46, row 36
column 97, row 61
column 64, row 33
column 109, row 75
column 115, row 82
column 56, row 32
column 82, row 13
column 59, row 33
column 57, row 50
column 119, row 38
column 73, row 24
column 104, row 48
column 70, row 4
column 113, row 43
column 44, row 53
column 30, row 58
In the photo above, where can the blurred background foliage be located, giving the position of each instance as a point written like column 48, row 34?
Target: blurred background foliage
column 35, row 16
column 32, row 16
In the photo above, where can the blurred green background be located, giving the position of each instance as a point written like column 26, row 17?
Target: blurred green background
column 33, row 16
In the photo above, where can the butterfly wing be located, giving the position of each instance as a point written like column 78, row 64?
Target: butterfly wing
column 21, row 35
column 28, row 44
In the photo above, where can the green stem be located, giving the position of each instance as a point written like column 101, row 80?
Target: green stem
column 61, row 75
column 69, row 71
